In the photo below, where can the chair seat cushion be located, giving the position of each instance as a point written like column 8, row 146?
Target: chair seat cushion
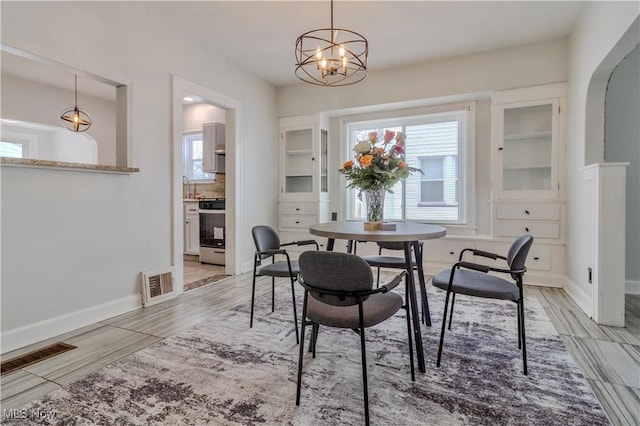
column 474, row 283
column 381, row 261
column 377, row 308
column 279, row 269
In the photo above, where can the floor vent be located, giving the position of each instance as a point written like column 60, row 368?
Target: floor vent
column 157, row 286
column 36, row 356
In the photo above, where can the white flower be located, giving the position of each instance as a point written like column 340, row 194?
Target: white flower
column 362, row 147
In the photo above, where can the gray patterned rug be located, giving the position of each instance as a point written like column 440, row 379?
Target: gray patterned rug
column 223, row 373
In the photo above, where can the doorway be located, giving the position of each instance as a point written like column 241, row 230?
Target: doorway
column 214, row 107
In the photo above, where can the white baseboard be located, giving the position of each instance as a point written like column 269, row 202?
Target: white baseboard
column 584, row 300
column 632, row 287
column 33, row 333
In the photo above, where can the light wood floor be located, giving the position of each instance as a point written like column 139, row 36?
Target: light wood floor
column 609, row 357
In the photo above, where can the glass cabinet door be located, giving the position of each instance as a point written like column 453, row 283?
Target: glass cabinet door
column 528, row 144
column 298, row 160
column 324, row 150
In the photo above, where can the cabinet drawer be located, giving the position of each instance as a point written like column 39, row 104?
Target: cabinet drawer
column 298, row 208
column 297, row 221
column 443, row 251
column 525, row 211
column 506, row 228
column 191, row 208
column 539, row 257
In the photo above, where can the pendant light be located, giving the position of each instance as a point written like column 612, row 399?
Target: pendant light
column 75, row 119
column 331, row 56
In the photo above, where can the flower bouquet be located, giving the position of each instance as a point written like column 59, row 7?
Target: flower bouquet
column 378, row 165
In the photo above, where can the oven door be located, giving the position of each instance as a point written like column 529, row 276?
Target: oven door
column 212, row 228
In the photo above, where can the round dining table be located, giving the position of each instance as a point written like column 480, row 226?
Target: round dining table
column 408, row 233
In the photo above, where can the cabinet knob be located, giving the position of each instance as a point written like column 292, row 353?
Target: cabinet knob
column 500, row 149
column 297, row 209
column 297, row 221
column 526, row 229
column 527, row 212
column 452, row 253
column 536, row 258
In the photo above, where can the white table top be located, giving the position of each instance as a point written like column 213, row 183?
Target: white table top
column 354, row 230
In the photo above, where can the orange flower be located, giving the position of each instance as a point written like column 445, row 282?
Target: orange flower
column 366, row 160
column 347, row 164
column 402, row 165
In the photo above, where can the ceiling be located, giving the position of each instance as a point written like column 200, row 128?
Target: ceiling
column 260, row 36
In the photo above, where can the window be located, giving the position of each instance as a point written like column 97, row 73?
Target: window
column 13, row 149
column 192, row 157
column 435, row 143
column 439, row 183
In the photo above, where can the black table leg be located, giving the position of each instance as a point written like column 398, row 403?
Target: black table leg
column 423, row 285
column 415, row 313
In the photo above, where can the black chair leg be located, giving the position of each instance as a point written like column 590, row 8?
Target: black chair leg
column 444, row 325
column 524, row 341
column 304, row 316
column 364, row 366
column 408, row 309
column 295, row 314
column 453, row 301
column 273, row 293
column 253, row 292
column 519, row 328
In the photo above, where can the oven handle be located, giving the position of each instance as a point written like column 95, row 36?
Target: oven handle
column 208, row 211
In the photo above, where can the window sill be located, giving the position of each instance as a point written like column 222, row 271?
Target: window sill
column 61, row 165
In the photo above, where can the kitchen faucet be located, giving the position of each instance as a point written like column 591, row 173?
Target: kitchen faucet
column 186, row 180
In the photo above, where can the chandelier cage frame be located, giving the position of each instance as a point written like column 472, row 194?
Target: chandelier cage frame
column 74, row 119
column 345, row 62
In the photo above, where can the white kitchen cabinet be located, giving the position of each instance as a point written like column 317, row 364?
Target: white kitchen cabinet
column 191, row 228
column 213, row 148
column 303, row 177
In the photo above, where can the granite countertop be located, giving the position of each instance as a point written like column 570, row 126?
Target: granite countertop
column 62, row 165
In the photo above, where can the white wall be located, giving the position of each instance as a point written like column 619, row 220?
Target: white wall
column 195, row 115
column 599, row 29
column 74, row 243
column 27, row 100
column 622, row 144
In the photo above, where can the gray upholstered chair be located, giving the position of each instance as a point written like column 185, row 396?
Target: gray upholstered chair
column 339, row 293
column 473, row 279
column 268, row 245
column 382, row 260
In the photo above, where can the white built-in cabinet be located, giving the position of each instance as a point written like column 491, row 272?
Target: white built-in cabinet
column 213, row 148
column 303, row 176
column 527, row 185
column 191, row 228
column 528, row 162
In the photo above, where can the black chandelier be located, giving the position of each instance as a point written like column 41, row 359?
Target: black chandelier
column 75, row 119
column 331, row 56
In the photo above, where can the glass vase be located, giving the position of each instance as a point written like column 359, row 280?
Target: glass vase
column 375, row 204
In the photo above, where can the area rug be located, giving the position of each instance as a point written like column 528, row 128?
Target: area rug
column 223, row 373
column 204, row 281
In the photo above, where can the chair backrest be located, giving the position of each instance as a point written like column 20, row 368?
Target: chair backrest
column 391, row 245
column 265, row 238
column 517, row 254
column 335, row 271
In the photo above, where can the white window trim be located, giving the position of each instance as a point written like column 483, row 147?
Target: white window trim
column 27, row 140
column 186, row 155
column 467, row 153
